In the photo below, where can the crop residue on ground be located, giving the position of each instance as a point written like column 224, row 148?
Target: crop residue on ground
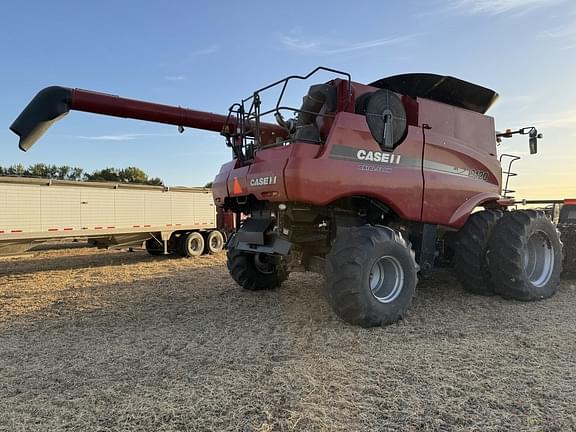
column 117, row 341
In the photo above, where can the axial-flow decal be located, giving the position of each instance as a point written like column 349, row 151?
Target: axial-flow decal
column 373, row 162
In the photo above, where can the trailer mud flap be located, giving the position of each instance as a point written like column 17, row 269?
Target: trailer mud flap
column 256, row 236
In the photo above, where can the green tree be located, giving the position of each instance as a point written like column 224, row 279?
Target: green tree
column 125, row 175
column 37, row 170
column 133, row 175
column 106, row 174
column 65, row 172
column 16, row 170
column 76, row 174
column 155, row 181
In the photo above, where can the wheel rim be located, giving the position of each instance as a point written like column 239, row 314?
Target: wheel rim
column 539, row 259
column 215, row 242
column 194, row 245
column 386, row 279
column 264, row 263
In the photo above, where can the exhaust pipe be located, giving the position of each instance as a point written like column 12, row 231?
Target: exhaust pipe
column 53, row 103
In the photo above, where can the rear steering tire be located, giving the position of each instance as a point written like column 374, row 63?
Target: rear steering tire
column 471, row 256
column 256, row 271
column 525, row 258
column 370, row 275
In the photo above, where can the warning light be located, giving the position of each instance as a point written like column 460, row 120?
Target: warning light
column 236, row 188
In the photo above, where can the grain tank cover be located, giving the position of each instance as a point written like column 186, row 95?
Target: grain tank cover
column 441, row 88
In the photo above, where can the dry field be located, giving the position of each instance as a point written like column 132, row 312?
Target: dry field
column 117, row 341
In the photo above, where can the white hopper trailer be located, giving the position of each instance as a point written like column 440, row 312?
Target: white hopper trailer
column 164, row 220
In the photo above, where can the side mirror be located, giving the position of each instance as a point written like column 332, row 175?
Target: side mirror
column 533, row 137
column 531, row 131
column 533, row 143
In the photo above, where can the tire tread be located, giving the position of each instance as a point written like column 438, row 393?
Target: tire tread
column 470, row 261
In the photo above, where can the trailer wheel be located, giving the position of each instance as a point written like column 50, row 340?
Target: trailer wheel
column 525, row 258
column 214, row 242
column 191, row 244
column 471, row 258
column 370, row 275
column 256, row 272
column 153, row 247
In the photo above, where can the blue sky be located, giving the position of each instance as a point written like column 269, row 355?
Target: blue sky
column 207, row 55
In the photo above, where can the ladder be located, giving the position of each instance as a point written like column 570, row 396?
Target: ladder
column 510, row 159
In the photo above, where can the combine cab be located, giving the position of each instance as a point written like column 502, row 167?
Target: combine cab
column 369, row 184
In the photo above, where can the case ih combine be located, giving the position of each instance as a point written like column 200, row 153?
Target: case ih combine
column 369, row 184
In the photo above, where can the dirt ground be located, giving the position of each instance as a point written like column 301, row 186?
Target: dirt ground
column 118, row 341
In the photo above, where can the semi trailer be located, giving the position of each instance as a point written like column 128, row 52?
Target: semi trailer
column 163, row 220
column 364, row 183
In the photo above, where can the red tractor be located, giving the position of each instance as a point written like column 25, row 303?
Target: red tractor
column 368, row 184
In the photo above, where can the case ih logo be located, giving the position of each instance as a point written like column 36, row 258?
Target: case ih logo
column 355, row 154
column 374, row 156
column 263, row 181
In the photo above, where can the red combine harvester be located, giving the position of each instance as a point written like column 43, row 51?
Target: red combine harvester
column 368, row 184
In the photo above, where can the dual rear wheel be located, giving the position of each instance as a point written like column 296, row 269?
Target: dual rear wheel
column 189, row 244
column 195, row 243
column 517, row 255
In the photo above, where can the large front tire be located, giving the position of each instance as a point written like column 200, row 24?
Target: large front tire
column 471, row 258
column 525, row 256
column 256, row 272
column 370, row 275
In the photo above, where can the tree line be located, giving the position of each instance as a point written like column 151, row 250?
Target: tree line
column 65, row 172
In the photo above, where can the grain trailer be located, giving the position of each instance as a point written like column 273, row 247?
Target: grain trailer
column 164, row 220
